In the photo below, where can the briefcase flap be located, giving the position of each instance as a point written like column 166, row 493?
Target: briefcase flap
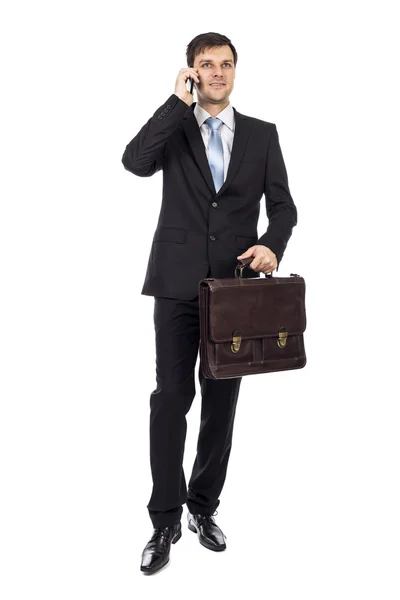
column 257, row 308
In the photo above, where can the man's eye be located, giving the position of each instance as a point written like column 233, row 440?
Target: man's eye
column 204, row 64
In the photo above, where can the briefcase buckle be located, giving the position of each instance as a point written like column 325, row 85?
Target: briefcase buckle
column 282, row 337
column 236, row 341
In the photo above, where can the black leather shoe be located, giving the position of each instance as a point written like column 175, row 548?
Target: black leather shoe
column 156, row 553
column 210, row 535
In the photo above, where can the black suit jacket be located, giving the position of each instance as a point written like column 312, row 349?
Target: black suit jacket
column 198, row 228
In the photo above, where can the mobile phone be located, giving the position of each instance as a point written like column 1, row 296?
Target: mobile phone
column 189, row 79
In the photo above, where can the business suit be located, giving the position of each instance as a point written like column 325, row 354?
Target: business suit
column 199, row 233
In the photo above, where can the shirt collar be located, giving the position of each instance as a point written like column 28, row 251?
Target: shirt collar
column 227, row 115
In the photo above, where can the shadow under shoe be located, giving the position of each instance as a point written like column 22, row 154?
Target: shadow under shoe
column 156, row 553
column 209, row 534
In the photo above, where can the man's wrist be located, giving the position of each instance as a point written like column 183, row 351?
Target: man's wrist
column 175, row 94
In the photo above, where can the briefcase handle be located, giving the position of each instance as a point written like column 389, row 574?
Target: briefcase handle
column 244, row 262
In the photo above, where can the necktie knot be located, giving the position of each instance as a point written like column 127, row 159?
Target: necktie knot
column 214, row 123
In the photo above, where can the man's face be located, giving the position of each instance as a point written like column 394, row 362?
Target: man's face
column 215, row 65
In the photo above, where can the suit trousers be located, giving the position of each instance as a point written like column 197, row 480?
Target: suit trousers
column 177, row 334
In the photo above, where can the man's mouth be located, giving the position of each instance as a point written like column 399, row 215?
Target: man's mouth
column 217, row 84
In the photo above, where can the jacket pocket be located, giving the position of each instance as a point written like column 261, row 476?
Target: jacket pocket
column 170, row 234
column 243, row 241
column 255, row 160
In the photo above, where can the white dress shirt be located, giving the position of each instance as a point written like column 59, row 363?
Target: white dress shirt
column 227, row 130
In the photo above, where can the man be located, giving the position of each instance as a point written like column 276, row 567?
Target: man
column 217, row 163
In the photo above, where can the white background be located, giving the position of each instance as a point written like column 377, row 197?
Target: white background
column 311, row 502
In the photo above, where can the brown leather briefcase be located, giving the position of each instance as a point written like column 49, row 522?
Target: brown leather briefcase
column 251, row 325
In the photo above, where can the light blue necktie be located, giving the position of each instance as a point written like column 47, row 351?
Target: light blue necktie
column 215, row 152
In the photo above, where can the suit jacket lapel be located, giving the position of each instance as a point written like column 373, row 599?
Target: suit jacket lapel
column 240, row 139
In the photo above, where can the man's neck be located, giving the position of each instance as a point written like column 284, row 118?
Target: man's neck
column 213, row 109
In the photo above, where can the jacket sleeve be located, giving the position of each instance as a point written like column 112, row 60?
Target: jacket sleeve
column 143, row 155
column 281, row 211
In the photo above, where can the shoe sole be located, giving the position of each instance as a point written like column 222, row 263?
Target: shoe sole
column 204, row 543
column 156, row 569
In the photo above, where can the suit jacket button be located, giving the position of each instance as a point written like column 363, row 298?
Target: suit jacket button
column 159, row 117
column 212, row 238
column 215, row 204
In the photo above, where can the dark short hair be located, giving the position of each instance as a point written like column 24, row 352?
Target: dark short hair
column 207, row 40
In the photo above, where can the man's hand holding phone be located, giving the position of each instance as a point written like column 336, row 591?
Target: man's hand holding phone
column 181, row 89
